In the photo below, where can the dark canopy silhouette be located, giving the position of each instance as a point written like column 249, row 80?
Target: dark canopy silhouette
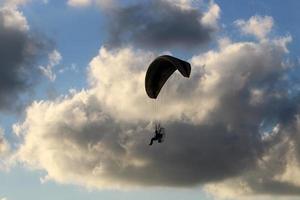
column 160, row 70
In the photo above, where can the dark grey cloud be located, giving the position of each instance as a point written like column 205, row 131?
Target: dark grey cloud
column 157, row 24
column 19, row 49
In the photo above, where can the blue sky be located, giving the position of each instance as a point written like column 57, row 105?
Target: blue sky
column 79, row 32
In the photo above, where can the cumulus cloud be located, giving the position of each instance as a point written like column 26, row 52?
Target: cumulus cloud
column 161, row 24
column 233, row 123
column 54, row 59
column 210, row 18
column 18, row 51
column 259, row 26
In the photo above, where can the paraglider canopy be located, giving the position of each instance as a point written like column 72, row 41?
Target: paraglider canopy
column 160, row 70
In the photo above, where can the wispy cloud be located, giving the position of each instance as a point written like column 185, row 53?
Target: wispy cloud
column 72, row 68
column 54, row 59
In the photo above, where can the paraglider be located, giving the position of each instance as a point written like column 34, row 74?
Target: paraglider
column 159, row 71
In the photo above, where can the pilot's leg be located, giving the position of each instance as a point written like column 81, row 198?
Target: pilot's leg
column 151, row 142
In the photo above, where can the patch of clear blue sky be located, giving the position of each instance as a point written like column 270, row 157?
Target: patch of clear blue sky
column 78, row 34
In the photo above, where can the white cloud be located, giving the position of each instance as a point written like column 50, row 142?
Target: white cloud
column 98, row 137
column 79, row 3
column 14, row 19
column 54, row 59
column 183, row 4
column 104, row 4
column 259, row 26
column 211, row 17
column 13, row 3
column 223, row 42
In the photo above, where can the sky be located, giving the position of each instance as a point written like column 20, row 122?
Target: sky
column 75, row 120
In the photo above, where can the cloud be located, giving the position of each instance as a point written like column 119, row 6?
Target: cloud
column 72, row 68
column 84, row 3
column 79, row 3
column 19, row 49
column 13, row 3
column 4, row 151
column 161, row 24
column 54, row 59
column 232, row 126
column 259, row 26
column 18, row 3
column 210, row 18
column 13, row 19
column 4, row 146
